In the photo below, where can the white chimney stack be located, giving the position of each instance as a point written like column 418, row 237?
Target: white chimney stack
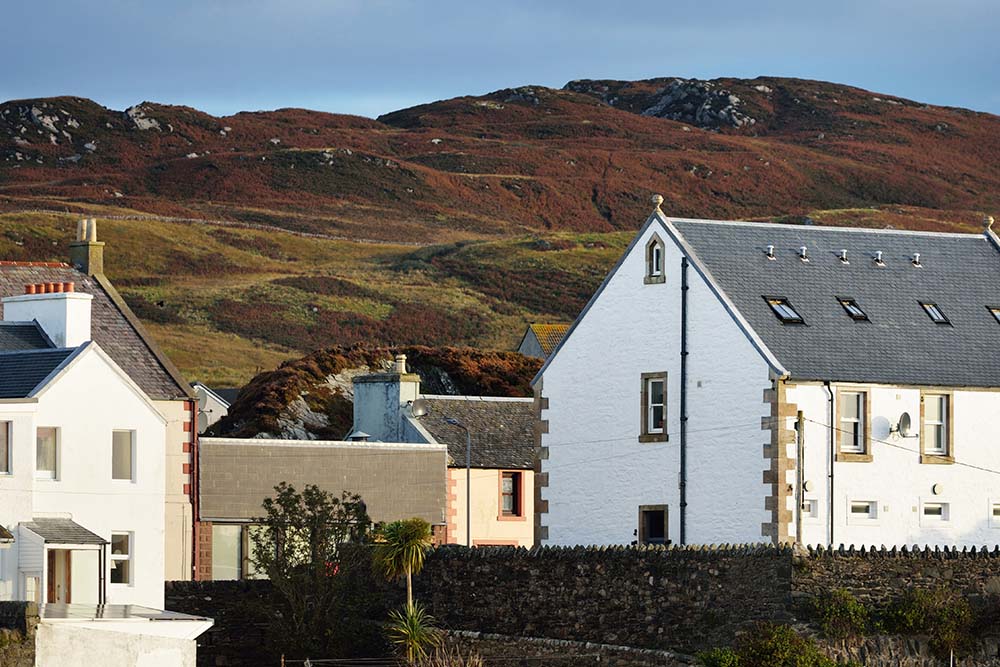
column 62, row 312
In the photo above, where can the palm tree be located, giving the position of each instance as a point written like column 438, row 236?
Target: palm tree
column 401, row 549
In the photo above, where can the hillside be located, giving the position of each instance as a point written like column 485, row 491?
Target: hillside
column 256, row 238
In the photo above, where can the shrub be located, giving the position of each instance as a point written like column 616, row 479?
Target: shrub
column 412, row 630
column 451, row 658
column 719, row 657
column 771, row 645
column 840, row 615
column 943, row 615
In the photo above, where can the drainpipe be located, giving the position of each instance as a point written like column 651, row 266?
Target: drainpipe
column 833, row 447
column 684, row 414
column 800, row 455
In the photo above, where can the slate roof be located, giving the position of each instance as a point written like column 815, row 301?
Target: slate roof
column 62, row 531
column 23, row 371
column 548, row 335
column 113, row 326
column 502, row 430
column 900, row 344
column 22, row 336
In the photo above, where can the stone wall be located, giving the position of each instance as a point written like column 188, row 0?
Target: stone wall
column 505, row 650
column 18, row 621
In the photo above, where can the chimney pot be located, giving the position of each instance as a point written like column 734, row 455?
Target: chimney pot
column 69, row 287
column 92, row 231
column 400, row 365
column 57, row 288
column 81, row 229
column 29, row 289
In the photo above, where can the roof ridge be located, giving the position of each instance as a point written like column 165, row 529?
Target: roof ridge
column 831, row 228
column 49, row 265
column 67, row 350
column 478, row 399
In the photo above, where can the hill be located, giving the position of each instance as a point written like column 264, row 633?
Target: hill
column 255, row 238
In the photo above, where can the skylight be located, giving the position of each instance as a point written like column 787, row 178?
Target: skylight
column 853, row 309
column 935, row 313
column 783, row 309
column 995, row 310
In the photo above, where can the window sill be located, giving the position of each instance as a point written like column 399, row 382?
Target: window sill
column 510, row 517
column 938, row 459
column 654, row 437
column 654, row 280
column 850, row 457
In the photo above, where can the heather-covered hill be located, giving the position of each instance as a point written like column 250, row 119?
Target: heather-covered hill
column 312, row 397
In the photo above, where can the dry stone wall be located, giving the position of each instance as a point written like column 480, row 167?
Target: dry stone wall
column 18, row 621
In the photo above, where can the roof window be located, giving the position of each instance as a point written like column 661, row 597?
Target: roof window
column 995, row 311
column 935, row 313
column 853, row 309
column 783, row 309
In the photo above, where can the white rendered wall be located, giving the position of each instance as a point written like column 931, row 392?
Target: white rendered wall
column 16, row 491
column 897, row 480
column 87, row 403
column 65, row 316
column 598, row 471
column 62, row 644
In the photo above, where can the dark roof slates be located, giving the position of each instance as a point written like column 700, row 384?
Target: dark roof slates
column 62, row 531
column 502, row 430
column 21, row 372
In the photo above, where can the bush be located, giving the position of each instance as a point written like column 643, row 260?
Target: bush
column 770, row 645
column 451, row 658
column 943, row 615
column 719, row 657
column 840, row 615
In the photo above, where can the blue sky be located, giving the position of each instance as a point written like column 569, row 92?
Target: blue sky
column 373, row 56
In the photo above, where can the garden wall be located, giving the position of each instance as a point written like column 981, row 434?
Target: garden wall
column 18, row 621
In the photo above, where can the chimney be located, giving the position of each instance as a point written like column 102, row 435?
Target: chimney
column 62, row 312
column 381, row 400
column 86, row 253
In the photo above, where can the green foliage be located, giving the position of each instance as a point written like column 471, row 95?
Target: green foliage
column 400, row 550
column 771, row 645
column 412, row 630
column 310, row 545
column 719, row 657
column 451, row 658
column 841, row 615
column 943, row 615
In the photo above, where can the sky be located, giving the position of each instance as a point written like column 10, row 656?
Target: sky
column 369, row 57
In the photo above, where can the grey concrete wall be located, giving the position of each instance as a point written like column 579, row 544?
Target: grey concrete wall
column 395, row 481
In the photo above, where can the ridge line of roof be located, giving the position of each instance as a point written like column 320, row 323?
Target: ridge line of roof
column 47, row 265
column 48, row 350
column 479, row 399
column 780, row 225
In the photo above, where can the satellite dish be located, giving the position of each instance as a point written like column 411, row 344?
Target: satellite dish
column 881, row 428
column 904, row 425
column 420, row 407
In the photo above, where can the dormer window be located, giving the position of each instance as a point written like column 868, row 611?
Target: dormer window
column 654, row 261
column 852, row 308
column 934, row 312
column 995, row 311
column 782, row 308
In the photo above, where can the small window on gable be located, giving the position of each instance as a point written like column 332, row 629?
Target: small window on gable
column 783, row 310
column 654, row 261
column 995, row 311
column 852, row 308
column 934, row 312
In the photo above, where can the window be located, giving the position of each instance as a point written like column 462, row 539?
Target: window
column 227, row 552
column 810, row 508
column 510, row 494
column 654, row 261
column 47, row 452
column 935, row 430
column 852, row 440
column 853, row 309
column 995, row 311
column 995, row 515
column 935, row 313
column 934, row 512
column 121, row 558
column 5, row 448
column 783, row 309
column 653, row 524
column 654, row 407
column 862, row 511
column 123, row 455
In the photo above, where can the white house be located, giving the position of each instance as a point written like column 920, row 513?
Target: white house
column 743, row 382
column 491, row 501
column 82, row 461
column 213, row 404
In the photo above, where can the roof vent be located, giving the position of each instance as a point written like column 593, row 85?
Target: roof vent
column 803, row 254
column 843, row 256
column 916, row 259
column 878, row 258
column 770, row 252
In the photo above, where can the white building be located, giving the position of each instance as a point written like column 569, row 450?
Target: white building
column 743, row 382
column 213, row 404
column 82, row 462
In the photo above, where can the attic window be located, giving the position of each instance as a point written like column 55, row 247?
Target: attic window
column 783, row 309
column 935, row 313
column 853, row 309
column 654, row 261
column 995, row 311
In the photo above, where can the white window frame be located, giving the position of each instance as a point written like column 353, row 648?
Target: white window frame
column 52, row 475
column 942, row 423
column 132, row 454
column 810, row 509
column 6, row 448
column 934, row 519
column 649, row 432
column 857, row 519
column 130, row 558
column 655, row 270
column 862, row 403
column 992, row 508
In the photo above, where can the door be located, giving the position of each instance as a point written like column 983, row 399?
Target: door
column 59, row 575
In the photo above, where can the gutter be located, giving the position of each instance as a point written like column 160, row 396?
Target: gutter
column 684, row 414
column 833, row 448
